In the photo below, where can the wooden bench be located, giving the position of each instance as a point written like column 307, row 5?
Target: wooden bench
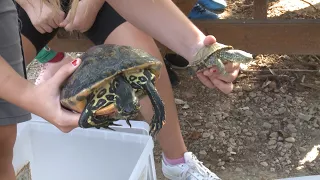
column 258, row 35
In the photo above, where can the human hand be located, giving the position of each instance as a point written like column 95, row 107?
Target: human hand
column 84, row 16
column 45, row 18
column 213, row 79
column 47, row 100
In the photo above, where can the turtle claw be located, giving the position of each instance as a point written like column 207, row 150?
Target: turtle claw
column 158, row 120
column 128, row 122
column 105, row 122
column 107, row 126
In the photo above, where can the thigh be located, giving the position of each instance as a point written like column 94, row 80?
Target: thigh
column 106, row 22
column 111, row 28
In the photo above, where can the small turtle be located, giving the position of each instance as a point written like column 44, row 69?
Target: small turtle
column 217, row 54
column 108, row 84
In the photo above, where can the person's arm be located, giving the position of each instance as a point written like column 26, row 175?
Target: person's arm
column 23, row 3
column 164, row 21
column 42, row 100
column 14, row 88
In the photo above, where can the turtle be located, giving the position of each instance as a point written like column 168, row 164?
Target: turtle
column 108, row 85
column 217, row 54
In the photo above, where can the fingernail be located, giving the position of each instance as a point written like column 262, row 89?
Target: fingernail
column 74, row 62
column 214, row 70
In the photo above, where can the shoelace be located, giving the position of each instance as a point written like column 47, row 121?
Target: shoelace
column 197, row 166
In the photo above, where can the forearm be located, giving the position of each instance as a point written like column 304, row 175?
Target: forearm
column 22, row 2
column 25, row 3
column 97, row 5
column 14, row 88
column 164, row 21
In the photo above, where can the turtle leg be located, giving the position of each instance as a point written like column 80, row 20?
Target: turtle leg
column 100, row 107
column 117, row 98
column 88, row 118
column 217, row 60
column 107, row 123
column 230, row 55
column 144, row 80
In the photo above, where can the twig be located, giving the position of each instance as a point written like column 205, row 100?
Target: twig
column 302, row 79
column 288, row 70
column 272, row 72
column 315, row 57
column 189, row 123
column 272, row 117
column 270, row 76
column 310, row 86
column 316, row 9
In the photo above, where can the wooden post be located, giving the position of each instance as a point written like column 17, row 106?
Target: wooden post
column 260, row 9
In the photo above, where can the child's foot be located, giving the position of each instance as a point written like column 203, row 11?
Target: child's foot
column 48, row 69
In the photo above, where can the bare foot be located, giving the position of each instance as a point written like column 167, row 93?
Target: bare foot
column 50, row 68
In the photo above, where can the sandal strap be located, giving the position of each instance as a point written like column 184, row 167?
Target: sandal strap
column 45, row 55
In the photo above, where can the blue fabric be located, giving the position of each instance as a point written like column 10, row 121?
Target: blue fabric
column 199, row 12
column 213, row 5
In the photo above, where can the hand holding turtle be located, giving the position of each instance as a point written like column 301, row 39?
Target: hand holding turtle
column 47, row 96
column 212, row 74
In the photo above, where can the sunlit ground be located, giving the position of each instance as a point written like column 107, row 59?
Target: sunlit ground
column 276, row 9
column 283, row 6
column 310, row 156
column 279, row 8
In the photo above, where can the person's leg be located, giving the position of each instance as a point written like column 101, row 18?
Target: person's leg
column 110, row 28
column 170, row 137
column 173, row 147
column 10, row 114
column 7, row 140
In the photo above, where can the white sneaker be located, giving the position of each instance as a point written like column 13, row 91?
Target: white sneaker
column 192, row 169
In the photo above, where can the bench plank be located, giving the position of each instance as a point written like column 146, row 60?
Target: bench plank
column 259, row 35
column 297, row 36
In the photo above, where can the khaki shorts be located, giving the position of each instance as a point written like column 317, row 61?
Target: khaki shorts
column 10, row 50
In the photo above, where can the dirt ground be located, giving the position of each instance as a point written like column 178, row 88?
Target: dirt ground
column 268, row 127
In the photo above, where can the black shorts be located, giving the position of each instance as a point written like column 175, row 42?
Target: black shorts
column 106, row 21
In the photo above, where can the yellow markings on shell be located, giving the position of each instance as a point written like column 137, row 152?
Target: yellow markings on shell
column 137, row 74
column 106, row 110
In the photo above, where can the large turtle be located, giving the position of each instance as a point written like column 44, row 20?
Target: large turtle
column 217, row 54
column 108, row 84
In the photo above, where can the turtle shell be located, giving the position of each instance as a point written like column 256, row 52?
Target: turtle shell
column 207, row 51
column 99, row 65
